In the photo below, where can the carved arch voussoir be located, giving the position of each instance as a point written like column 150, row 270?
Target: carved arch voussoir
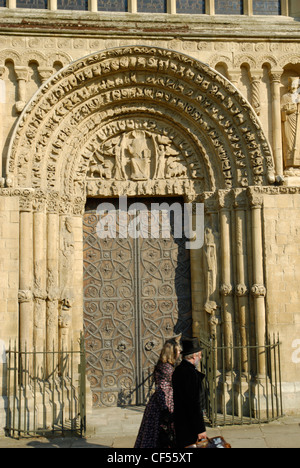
column 196, row 131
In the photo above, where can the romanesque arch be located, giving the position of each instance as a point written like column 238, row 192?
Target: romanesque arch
column 83, row 134
column 93, row 101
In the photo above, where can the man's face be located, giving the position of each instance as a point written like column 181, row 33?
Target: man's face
column 198, row 357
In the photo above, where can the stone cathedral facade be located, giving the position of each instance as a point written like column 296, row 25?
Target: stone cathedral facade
column 187, row 101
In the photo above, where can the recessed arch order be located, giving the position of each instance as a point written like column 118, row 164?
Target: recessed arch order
column 173, row 99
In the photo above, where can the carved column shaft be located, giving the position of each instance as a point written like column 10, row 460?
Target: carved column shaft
column 241, row 287
column 256, row 77
column 22, row 74
column 52, row 283
column 276, row 121
column 258, row 288
column 77, row 281
column 39, row 254
column 25, row 280
column 2, row 102
column 226, row 287
column 66, row 278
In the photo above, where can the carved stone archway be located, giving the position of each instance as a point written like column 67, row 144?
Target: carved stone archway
column 200, row 139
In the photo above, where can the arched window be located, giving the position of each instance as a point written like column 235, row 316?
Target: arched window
column 232, row 7
column 267, row 7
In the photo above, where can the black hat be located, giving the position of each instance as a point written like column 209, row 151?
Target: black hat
column 190, row 346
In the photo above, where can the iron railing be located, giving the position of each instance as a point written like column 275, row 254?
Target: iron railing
column 46, row 392
column 243, row 382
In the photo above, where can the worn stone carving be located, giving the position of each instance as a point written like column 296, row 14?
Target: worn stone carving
column 290, row 109
column 210, row 266
column 101, row 96
column 24, row 296
column 137, row 155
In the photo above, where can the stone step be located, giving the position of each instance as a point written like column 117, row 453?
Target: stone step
column 115, row 421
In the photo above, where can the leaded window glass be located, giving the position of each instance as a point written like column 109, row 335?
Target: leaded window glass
column 267, row 7
column 191, row 7
column 152, row 6
column 229, row 7
column 34, row 4
column 77, row 5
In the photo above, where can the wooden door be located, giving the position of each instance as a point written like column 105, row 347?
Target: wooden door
column 136, row 295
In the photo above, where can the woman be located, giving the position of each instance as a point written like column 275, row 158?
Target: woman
column 157, row 428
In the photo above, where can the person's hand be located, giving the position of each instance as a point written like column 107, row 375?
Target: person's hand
column 202, row 436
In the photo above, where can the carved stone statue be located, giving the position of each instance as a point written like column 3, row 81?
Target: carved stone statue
column 290, row 108
column 136, row 155
column 140, row 155
column 210, row 265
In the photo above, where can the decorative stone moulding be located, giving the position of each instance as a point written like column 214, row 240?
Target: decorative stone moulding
column 172, row 123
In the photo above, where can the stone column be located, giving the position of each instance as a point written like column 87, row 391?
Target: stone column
column 77, row 308
column 45, row 73
column 93, row 5
column 52, row 284
column 171, row 7
column 258, row 288
column 22, row 74
column 52, row 5
column 39, row 290
column 66, row 279
column 275, row 76
column 234, row 76
column 248, row 7
column 285, row 7
column 2, row 114
column 226, row 275
column 11, row 4
column 241, row 289
column 210, row 7
column 132, row 6
column 25, row 273
column 256, row 77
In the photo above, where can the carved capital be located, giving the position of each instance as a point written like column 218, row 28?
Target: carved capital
column 24, row 295
column 64, row 320
column 241, row 290
column 275, row 75
column 39, row 293
column 226, row 290
column 225, row 199
column 210, row 307
column 240, row 199
column 45, row 73
column 258, row 290
column 255, row 197
column 22, row 73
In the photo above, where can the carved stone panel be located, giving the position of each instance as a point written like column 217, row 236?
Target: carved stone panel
column 136, row 295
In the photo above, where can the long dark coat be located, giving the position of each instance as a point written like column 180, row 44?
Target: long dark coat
column 188, row 403
column 157, row 428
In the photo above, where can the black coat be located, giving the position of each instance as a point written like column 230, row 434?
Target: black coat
column 188, row 403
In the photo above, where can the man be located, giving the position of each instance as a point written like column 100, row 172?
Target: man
column 188, row 396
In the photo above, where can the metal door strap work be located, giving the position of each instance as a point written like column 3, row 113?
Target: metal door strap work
column 136, row 295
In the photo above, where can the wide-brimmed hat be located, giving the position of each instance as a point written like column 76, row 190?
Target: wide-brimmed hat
column 190, row 346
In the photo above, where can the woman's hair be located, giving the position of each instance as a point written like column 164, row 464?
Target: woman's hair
column 169, row 352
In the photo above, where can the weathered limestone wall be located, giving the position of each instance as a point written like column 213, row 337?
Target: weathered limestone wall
column 257, row 55
column 282, row 252
column 9, row 267
column 9, row 282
